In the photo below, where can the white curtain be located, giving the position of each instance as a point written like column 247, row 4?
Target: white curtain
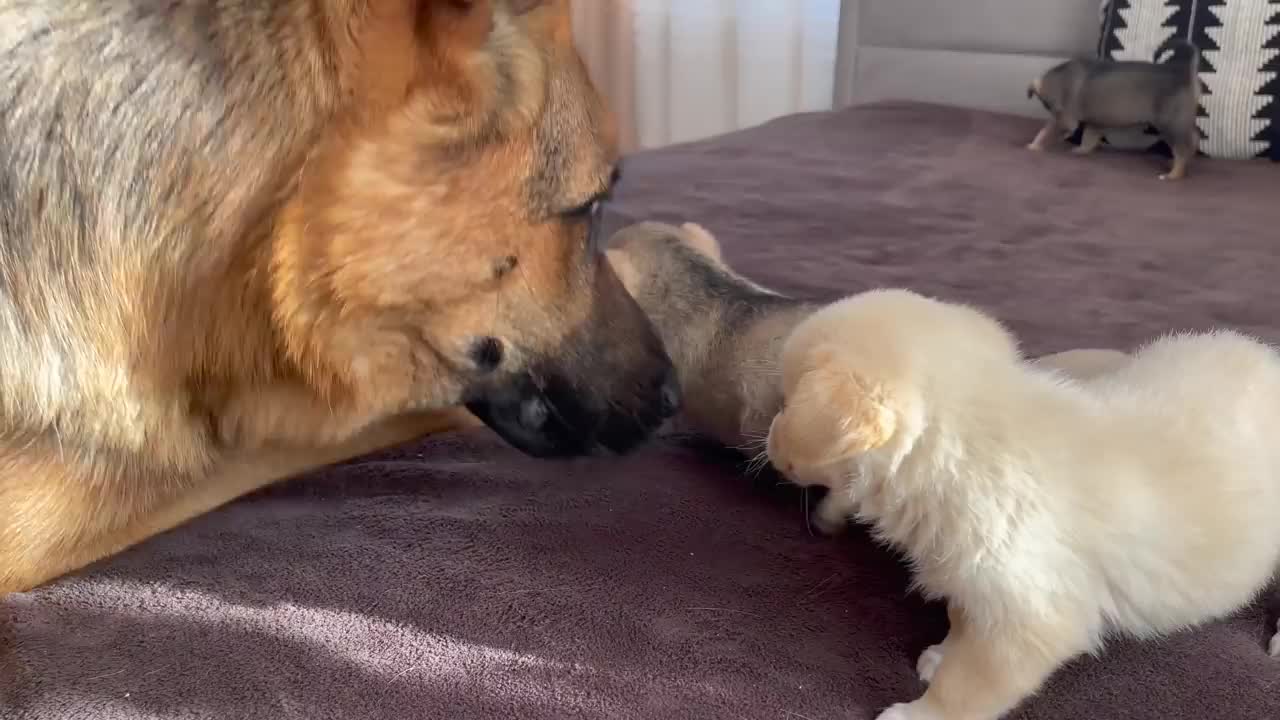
column 680, row 70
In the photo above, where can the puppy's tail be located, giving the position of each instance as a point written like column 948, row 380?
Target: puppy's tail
column 1183, row 52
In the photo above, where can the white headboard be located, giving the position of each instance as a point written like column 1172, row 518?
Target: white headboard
column 971, row 53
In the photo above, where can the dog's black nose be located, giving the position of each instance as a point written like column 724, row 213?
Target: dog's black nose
column 669, row 395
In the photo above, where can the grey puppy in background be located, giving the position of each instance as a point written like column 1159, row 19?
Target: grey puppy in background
column 1103, row 95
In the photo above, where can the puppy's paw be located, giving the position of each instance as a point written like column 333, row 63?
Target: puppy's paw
column 908, row 711
column 1274, row 648
column 831, row 517
column 1035, row 147
column 927, row 664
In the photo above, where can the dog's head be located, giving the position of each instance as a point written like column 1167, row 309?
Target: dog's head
column 452, row 221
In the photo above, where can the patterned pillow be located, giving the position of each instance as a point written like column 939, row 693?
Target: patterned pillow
column 1239, row 43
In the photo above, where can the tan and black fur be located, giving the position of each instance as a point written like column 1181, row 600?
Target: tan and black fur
column 1101, row 95
column 724, row 333
column 240, row 239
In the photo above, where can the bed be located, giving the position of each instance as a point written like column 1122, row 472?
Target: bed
column 454, row 578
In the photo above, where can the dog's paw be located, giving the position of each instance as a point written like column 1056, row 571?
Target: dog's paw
column 1274, row 648
column 1035, row 147
column 927, row 664
column 908, row 711
column 830, row 517
column 1170, row 176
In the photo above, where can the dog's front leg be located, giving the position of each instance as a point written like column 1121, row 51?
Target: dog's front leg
column 982, row 674
column 49, row 533
column 286, row 414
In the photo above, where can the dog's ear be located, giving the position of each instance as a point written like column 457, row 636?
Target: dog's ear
column 834, row 414
column 455, row 24
column 520, row 7
column 701, row 240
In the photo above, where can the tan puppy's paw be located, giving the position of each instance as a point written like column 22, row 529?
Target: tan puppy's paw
column 831, row 516
column 909, row 711
column 927, row 664
column 1274, row 648
column 1035, row 147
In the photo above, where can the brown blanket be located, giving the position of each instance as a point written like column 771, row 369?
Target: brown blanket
column 459, row 580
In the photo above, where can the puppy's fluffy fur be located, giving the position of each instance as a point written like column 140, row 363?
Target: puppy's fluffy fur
column 1141, row 497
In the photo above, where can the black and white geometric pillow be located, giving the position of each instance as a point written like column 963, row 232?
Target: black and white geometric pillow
column 1239, row 43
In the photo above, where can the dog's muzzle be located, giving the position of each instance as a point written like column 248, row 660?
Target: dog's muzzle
column 548, row 417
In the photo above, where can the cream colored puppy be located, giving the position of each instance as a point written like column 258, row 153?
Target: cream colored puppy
column 1047, row 511
column 832, row 515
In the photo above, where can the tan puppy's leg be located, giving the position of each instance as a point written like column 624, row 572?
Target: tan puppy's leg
column 55, row 543
column 929, row 660
column 1084, row 363
column 1089, row 140
column 978, row 675
column 1043, row 137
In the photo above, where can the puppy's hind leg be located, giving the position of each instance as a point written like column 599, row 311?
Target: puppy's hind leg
column 982, row 674
column 1089, row 140
column 1274, row 648
column 1184, row 144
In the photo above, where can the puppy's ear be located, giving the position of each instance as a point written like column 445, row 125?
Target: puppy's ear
column 624, row 269
column 834, row 414
column 703, row 241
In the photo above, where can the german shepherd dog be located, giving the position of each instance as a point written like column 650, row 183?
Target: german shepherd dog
column 243, row 239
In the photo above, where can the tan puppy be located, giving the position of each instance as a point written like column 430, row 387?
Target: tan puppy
column 723, row 332
column 1047, row 512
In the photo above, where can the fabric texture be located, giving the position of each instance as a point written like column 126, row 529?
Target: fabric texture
column 457, row 579
column 1239, row 41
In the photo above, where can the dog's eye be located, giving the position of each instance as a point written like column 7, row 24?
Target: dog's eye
column 585, row 210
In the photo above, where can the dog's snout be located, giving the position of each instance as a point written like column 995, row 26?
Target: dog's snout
column 533, row 413
column 487, row 354
column 669, row 399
